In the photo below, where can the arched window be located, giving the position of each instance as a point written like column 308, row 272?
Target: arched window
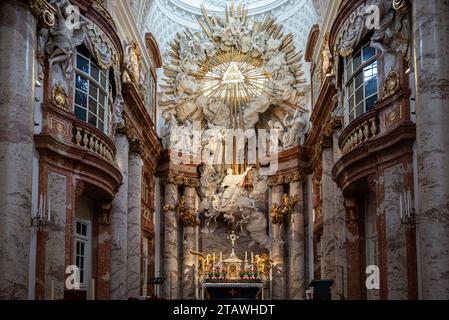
column 360, row 80
column 92, row 91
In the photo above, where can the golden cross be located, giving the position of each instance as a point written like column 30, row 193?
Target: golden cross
column 232, row 292
column 233, row 237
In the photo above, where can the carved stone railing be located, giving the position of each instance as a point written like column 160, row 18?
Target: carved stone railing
column 359, row 131
column 93, row 140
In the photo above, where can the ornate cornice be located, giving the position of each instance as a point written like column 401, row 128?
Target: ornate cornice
column 328, row 132
column 180, row 181
column 137, row 146
column 285, row 179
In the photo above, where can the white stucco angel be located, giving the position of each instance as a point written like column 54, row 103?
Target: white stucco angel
column 276, row 136
column 63, row 38
column 132, row 62
column 170, row 123
column 297, row 126
column 117, row 114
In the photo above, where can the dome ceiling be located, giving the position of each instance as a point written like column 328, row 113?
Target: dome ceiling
column 220, row 5
column 168, row 17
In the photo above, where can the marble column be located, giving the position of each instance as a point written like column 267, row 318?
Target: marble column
column 328, row 270
column 55, row 245
column 134, row 224
column 171, row 240
column 396, row 250
column 431, row 49
column 296, row 263
column 340, row 228
column 188, row 263
column 17, row 68
column 119, row 220
column 279, row 281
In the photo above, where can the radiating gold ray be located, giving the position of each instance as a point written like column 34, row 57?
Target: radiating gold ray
column 238, row 90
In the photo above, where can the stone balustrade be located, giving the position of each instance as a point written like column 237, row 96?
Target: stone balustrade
column 93, row 141
column 359, row 132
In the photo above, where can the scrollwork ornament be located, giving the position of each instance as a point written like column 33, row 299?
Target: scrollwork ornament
column 402, row 6
column 277, row 213
column 42, row 10
column 59, row 97
column 391, row 85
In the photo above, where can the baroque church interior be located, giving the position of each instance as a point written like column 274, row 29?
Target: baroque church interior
column 220, row 149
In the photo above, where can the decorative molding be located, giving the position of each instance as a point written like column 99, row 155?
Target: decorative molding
column 102, row 47
column 402, row 6
column 186, row 215
column 391, row 84
column 100, row 7
column 277, row 213
column 392, row 116
column 180, row 181
column 59, row 126
column 392, row 36
column 285, row 179
column 43, row 11
column 328, row 132
column 59, row 97
column 79, row 188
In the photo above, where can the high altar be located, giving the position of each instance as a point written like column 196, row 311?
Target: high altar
column 233, row 277
column 234, row 122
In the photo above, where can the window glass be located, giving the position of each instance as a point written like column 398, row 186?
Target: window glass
column 361, row 81
column 92, row 98
column 82, row 63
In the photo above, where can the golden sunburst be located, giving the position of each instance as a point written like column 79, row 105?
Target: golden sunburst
column 233, row 77
column 227, row 69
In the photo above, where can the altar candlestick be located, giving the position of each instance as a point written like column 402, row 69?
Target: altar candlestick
column 213, row 258
column 246, row 256
column 405, row 205
column 221, row 256
column 49, row 211
column 93, row 289
column 41, row 203
column 409, row 203
column 52, row 292
column 252, row 257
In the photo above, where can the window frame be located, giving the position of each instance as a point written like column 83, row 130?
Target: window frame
column 350, row 80
column 372, row 238
column 87, row 241
column 105, row 89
